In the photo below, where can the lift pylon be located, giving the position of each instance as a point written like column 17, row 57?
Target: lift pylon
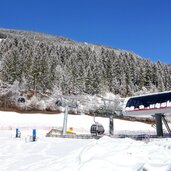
column 159, row 117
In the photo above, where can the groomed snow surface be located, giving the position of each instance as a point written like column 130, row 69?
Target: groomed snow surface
column 59, row 154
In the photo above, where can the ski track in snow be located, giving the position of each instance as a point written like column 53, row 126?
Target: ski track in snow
column 59, row 154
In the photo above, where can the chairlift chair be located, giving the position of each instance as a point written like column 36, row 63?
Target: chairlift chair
column 97, row 129
column 21, row 100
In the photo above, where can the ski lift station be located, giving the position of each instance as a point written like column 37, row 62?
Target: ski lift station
column 148, row 105
column 157, row 105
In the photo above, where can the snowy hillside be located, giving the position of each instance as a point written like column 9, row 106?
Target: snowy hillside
column 43, row 64
column 58, row 154
column 79, row 123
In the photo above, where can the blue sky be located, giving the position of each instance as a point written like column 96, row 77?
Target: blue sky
column 141, row 26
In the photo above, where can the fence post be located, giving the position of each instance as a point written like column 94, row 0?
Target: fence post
column 111, row 131
column 34, row 134
column 18, row 134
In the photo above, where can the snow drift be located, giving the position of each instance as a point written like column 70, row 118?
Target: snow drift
column 58, row 154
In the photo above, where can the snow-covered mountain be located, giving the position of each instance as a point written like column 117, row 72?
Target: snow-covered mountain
column 45, row 64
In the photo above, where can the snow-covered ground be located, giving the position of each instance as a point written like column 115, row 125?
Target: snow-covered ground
column 58, row 154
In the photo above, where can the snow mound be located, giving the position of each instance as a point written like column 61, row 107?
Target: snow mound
column 59, row 154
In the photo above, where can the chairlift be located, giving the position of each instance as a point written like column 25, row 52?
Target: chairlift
column 66, row 101
column 73, row 105
column 21, row 100
column 58, row 103
column 97, row 129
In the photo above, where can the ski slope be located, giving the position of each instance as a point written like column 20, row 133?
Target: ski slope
column 59, row 154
